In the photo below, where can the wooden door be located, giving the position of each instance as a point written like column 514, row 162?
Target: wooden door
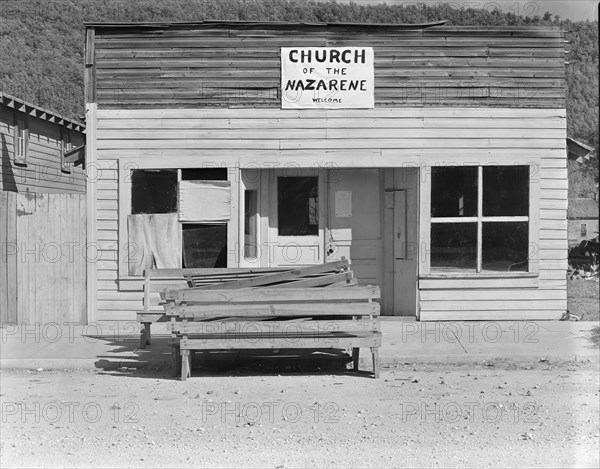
column 354, row 222
column 296, row 218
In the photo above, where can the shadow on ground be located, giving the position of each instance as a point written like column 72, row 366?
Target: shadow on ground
column 129, row 360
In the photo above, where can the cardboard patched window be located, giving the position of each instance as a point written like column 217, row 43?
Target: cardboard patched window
column 204, row 201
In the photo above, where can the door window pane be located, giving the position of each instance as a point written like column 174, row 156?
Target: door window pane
column 505, row 246
column 505, row 191
column 250, row 224
column 204, row 246
column 298, row 206
column 153, row 191
column 454, row 191
column 453, row 246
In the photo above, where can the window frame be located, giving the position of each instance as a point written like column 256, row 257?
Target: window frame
column 425, row 223
column 66, row 145
column 20, row 118
column 125, row 166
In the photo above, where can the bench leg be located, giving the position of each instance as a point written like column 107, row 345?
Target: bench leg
column 375, row 352
column 177, row 360
column 145, row 335
column 186, row 364
column 355, row 353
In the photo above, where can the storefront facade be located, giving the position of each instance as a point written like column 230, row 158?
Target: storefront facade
column 433, row 158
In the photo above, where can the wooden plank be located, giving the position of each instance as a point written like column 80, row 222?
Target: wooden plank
column 450, row 283
column 273, row 296
column 291, row 275
column 216, row 272
column 491, row 295
column 273, row 310
column 158, row 316
column 283, row 329
column 340, row 279
column 493, row 315
column 496, row 305
column 372, row 340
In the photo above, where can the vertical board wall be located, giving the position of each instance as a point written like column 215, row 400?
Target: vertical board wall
column 42, row 258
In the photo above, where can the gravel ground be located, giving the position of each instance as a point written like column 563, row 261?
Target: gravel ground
column 499, row 415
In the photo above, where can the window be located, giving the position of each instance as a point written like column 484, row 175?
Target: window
column 584, row 229
column 153, row 191
column 204, row 246
column 21, row 141
column 66, row 146
column 204, row 174
column 173, row 218
column 298, row 206
column 479, row 219
column 250, row 224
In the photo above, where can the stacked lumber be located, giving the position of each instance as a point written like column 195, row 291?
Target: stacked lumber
column 316, row 307
column 332, row 274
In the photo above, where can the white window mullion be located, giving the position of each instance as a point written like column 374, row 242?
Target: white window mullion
column 479, row 217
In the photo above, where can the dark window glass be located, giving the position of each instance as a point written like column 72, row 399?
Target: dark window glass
column 153, row 191
column 204, row 174
column 505, row 246
column 250, row 223
column 454, row 191
column 505, row 191
column 204, row 246
column 298, row 206
column 454, row 246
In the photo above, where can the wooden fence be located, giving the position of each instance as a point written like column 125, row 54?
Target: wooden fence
column 42, row 258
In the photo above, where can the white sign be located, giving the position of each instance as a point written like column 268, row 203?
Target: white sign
column 327, row 78
column 343, row 204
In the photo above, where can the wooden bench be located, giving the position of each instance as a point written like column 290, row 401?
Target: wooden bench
column 261, row 308
column 275, row 318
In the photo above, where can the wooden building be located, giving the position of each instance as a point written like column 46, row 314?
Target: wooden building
column 433, row 157
column 42, row 216
column 583, row 220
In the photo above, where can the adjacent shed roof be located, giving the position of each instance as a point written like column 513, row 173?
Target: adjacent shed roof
column 578, row 151
column 40, row 112
column 582, row 209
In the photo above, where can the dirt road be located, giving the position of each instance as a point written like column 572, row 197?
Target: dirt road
column 414, row 416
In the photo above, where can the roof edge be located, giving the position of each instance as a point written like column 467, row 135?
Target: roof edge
column 265, row 23
column 50, row 116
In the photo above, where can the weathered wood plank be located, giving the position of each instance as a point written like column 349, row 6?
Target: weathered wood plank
column 246, row 329
column 273, row 296
column 274, row 310
column 371, row 340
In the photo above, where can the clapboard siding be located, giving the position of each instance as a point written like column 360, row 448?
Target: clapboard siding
column 387, row 137
column 43, row 170
column 238, row 65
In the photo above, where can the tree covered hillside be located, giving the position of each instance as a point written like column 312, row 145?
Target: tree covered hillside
column 42, row 42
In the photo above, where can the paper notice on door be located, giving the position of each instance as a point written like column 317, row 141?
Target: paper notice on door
column 343, row 204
